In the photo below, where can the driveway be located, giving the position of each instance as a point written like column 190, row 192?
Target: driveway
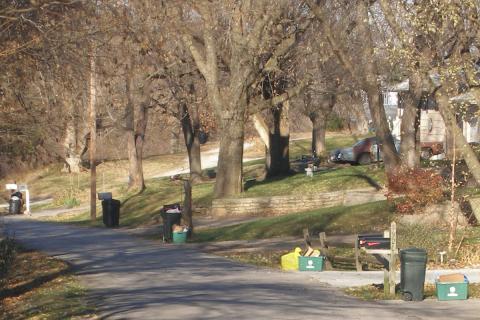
column 131, row 278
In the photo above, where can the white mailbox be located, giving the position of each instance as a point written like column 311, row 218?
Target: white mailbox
column 11, row 186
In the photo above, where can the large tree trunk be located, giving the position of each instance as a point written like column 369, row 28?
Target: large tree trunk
column 278, row 155
column 409, row 151
column 382, row 131
column 229, row 179
column 191, row 131
column 135, row 170
column 460, row 141
column 319, row 115
column 374, row 93
column 319, row 124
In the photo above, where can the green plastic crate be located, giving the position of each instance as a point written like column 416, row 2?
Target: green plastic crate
column 310, row 263
column 452, row 290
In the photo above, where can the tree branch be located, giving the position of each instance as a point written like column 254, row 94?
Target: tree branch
column 260, row 104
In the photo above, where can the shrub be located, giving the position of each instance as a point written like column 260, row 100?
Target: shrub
column 68, row 198
column 7, row 257
column 335, row 123
column 417, row 188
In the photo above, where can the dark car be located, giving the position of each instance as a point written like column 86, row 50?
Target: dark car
column 364, row 151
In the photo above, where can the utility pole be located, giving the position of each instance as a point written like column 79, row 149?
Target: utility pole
column 93, row 135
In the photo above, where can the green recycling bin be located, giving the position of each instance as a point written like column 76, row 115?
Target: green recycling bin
column 413, row 265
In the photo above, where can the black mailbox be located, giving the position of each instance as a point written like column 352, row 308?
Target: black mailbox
column 376, row 241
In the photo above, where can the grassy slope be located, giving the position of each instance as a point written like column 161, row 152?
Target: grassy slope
column 347, row 220
column 350, row 177
column 41, row 287
column 139, row 209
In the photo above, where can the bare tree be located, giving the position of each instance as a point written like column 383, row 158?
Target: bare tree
column 351, row 39
column 232, row 68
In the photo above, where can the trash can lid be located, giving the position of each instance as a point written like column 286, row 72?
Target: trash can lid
column 413, row 254
column 414, row 250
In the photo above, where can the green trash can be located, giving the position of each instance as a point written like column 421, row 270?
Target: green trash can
column 413, row 265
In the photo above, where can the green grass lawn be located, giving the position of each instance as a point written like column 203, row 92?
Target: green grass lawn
column 333, row 141
column 371, row 217
column 334, row 179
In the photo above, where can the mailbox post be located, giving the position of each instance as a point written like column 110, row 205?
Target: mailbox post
column 384, row 248
column 24, row 188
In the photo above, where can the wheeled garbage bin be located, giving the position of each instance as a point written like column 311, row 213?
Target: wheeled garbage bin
column 14, row 206
column 111, row 212
column 171, row 214
column 413, row 265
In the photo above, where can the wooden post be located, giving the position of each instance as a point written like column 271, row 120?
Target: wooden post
column 187, row 206
column 306, row 237
column 386, row 268
column 358, row 265
column 386, row 282
column 393, row 258
column 324, row 250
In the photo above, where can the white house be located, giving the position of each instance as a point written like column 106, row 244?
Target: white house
column 432, row 126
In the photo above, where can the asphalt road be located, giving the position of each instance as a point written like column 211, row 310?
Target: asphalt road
column 130, row 278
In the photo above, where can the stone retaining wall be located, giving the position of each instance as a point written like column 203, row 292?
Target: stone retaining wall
column 280, row 205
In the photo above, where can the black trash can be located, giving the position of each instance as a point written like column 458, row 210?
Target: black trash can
column 14, row 206
column 413, row 265
column 169, row 219
column 111, row 212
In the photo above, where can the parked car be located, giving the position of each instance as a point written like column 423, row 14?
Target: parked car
column 364, row 151
column 430, row 149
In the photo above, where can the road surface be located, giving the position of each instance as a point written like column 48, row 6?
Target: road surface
column 131, row 278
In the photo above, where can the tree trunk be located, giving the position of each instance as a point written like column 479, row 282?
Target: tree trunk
column 134, row 175
column 135, row 170
column 359, row 111
column 191, row 130
column 319, row 123
column 277, row 156
column 409, row 153
column 262, row 129
column 229, row 179
column 382, row 131
column 72, row 158
column 141, row 130
column 460, row 141
column 374, row 93
column 92, row 97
